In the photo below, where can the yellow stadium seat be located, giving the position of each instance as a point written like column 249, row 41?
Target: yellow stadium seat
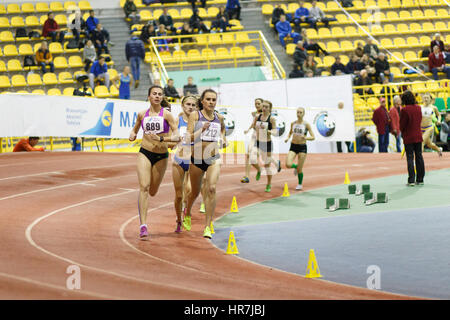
column 42, row 7
column 386, row 43
column 418, row 87
column 113, row 91
column 228, row 38
column 13, row 8
column 432, row 85
column 237, row 26
column 392, row 16
column 34, row 79
column 56, row 6
column 146, row 15
column 10, row 50
column 212, row 12
column 358, row 4
column 311, row 33
column 396, row 71
column 66, row 50
column 215, row 39
column 292, row 7
column 101, row 92
column 55, row 48
column 61, row 19
column 408, row 3
column 328, row 61
column 267, row 9
column 25, row 49
column 376, row 29
column 202, row 13
column 6, row 36
column 242, row 38
column 399, row 42
column 68, row 91
column 440, row 25
column 112, row 73
column 2, row 9
column 250, row 52
column 179, row 55
column 373, row 102
column 347, row 45
column 75, row 62
column 54, row 92
column 356, row 16
column 4, row 22
column 2, row 66
column 222, row 53
column 402, row 28
column 32, row 21
column 208, row 54
column 201, row 39
column 4, row 82
column 442, row 13
column 415, row 27
column 49, row 78
column 404, row 15
column 426, row 40
column 18, row 80
column 350, row 31
column 410, row 56
column 236, row 52
column 398, row 54
column 14, row 65
column 60, row 63
column 337, row 32
column 412, row 42
column 332, row 46
column 166, row 56
column 341, row 18
column 17, row 22
column 38, row 91
column 84, row 6
column 430, row 13
column 344, row 59
column 193, row 55
column 27, row 8
column 428, row 27
column 36, row 47
column 174, row 13
column 185, row 13
column 70, row 5
column 379, row 16
column 332, row 6
column 324, row 33
column 290, row 48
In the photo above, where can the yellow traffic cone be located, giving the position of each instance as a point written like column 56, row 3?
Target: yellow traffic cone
column 234, row 206
column 347, row 178
column 286, row 190
column 212, row 228
column 312, row 270
column 232, row 248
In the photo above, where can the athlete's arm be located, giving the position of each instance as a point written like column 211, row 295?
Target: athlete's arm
column 223, row 137
column 274, row 126
column 252, row 126
column 311, row 133
column 290, row 133
column 190, row 134
column 136, row 127
column 438, row 115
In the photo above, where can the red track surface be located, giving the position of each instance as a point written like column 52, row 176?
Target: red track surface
column 62, row 209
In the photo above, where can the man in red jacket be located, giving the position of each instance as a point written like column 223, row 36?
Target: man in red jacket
column 410, row 118
column 394, row 114
column 27, row 145
column 436, row 63
column 51, row 29
column 381, row 119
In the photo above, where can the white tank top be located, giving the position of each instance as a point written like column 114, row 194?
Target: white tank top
column 427, row 112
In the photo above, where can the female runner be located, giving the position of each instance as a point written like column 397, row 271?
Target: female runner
column 152, row 158
column 300, row 130
column 428, row 108
column 207, row 129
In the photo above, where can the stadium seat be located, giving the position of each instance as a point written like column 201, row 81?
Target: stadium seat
column 101, row 92
column 34, row 79
column 27, row 8
column 404, row 15
column 236, row 25
column 332, row 6
column 347, row 45
column 193, row 55
column 428, row 27
column 17, row 22
column 2, row 66
column 179, row 55
column 337, row 32
column 49, row 79
column 56, row 6
column 174, row 13
column 387, row 43
column 290, row 48
column 146, row 15
column 55, row 48
column 70, row 6
column 32, row 21
column 222, row 53
column 54, row 92
column 208, row 54
column 113, row 92
column 61, row 19
column 328, row 61
column 418, row 87
column 440, row 25
column 311, row 33
column 425, row 40
column 4, row 82
column 6, row 36
column 250, row 52
column 112, row 73
column 25, row 49
column 60, row 63
column 410, row 56
column 75, row 62
column 350, row 31
column 332, row 46
column 267, row 9
column 344, row 59
column 4, row 22
column 14, row 65
column 442, row 13
column 215, row 39
column 398, row 54
column 228, row 38
column 399, row 42
column 402, row 28
column 212, row 12
column 415, row 27
column 18, row 80
column 342, row 18
column 236, row 52
column 157, row 13
column 433, row 85
column 68, row 91
column 65, row 77
column 42, row 7
column 10, row 50
column 430, row 13
column 2, row 9
column 324, row 33
column 376, row 30
column 396, row 71
column 38, row 91
column 84, row 6
column 13, row 8
column 412, row 42
column 185, row 13
column 392, row 16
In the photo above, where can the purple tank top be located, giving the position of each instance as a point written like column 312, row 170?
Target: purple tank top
column 213, row 132
column 155, row 124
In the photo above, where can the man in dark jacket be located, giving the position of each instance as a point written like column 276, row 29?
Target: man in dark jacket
column 100, row 38
column 371, row 49
column 190, row 87
column 300, row 54
column 166, row 20
column 130, row 10
column 337, row 65
column 296, row 72
column 363, row 80
column 382, row 68
column 51, row 29
column 195, row 22
column 381, row 120
column 276, row 13
column 135, row 51
column 170, row 90
column 410, row 119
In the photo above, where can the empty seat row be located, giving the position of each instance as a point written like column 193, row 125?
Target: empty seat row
column 55, row 6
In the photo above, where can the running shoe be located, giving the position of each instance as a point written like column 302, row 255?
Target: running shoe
column 202, row 208
column 279, row 166
column 258, row 175
column 412, row 184
column 245, row 180
column 299, row 187
column 178, row 229
column 268, row 188
column 187, row 223
column 207, row 233
column 143, row 235
column 440, row 152
column 419, row 183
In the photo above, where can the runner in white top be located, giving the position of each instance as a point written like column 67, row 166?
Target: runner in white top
column 428, row 109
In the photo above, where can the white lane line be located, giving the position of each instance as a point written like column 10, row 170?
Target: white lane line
column 31, row 175
column 55, row 287
column 119, row 275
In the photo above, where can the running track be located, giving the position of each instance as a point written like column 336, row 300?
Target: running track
column 62, row 209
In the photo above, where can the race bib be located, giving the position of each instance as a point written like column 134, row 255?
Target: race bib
column 299, row 129
column 182, row 131
column 153, row 125
column 212, row 133
column 262, row 125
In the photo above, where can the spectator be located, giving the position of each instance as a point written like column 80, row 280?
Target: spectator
column 147, row 32
column 371, row 49
column 359, row 50
column 369, row 65
column 347, row 3
column 437, row 42
column 167, row 21
column 381, row 119
column 410, row 119
column 339, row 72
column 190, row 88
column 276, row 13
column 195, row 22
column 221, row 21
column 436, row 63
column 27, row 145
column 91, row 22
column 89, row 55
column 445, row 129
column 170, row 91
column 296, row 72
column 134, row 52
column 337, row 65
column 363, row 141
column 394, row 115
column 309, row 65
column 382, row 68
column 186, row 30
column 126, row 80
column 44, row 58
column 162, row 43
column 301, row 15
column 100, row 38
column 284, row 29
column 339, row 146
column 387, row 91
column 353, row 66
column 131, row 12
column 309, row 74
column 76, row 143
column 192, row 2
column 232, row 8
column 317, row 15
column 51, row 29
column 310, row 45
column 300, row 54
column 78, row 26
column 364, row 80
column 99, row 70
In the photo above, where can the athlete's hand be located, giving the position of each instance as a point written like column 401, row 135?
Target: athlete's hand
column 245, row 131
column 205, row 126
column 132, row 136
column 286, row 140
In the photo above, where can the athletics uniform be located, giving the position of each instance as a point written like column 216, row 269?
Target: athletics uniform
column 265, row 146
column 156, row 125
column 182, row 128
column 427, row 112
column 299, row 130
column 212, row 134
